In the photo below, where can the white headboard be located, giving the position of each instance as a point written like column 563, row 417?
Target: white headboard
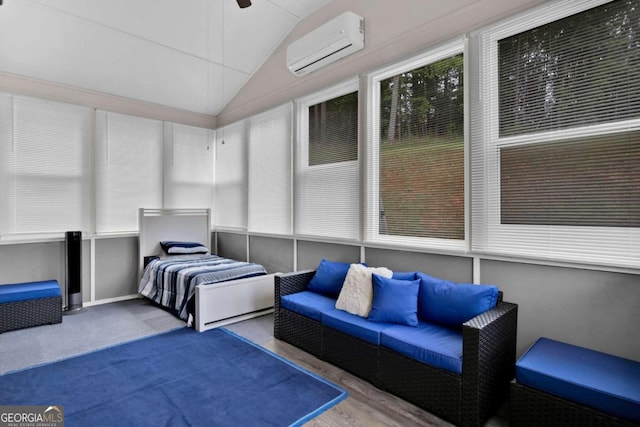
column 155, row 225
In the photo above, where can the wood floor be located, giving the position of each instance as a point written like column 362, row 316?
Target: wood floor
column 365, row 406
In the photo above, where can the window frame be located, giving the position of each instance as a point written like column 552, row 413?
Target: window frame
column 301, row 151
column 372, row 156
column 579, row 244
column 269, row 202
column 102, row 170
column 83, row 176
column 302, row 118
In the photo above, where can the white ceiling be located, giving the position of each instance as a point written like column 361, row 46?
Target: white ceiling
column 194, row 55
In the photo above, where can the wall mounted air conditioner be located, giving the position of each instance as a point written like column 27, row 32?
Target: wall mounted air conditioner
column 336, row 39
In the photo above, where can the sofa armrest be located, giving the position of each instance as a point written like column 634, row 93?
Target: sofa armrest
column 291, row 283
column 287, row 284
column 488, row 360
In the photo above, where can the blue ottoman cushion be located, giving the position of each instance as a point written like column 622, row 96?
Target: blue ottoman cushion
column 27, row 291
column 608, row 383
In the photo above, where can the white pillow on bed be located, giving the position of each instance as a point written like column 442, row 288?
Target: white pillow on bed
column 356, row 295
column 173, row 247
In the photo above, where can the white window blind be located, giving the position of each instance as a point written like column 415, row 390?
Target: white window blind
column 189, row 167
column 44, row 166
column 231, row 177
column 270, row 171
column 128, row 170
column 416, row 151
column 327, row 196
column 556, row 134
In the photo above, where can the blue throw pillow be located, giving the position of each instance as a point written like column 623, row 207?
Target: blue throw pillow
column 452, row 304
column 172, row 247
column 329, row 277
column 394, row 301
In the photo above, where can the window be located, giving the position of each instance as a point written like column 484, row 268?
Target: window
column 416, row 193
column 327, row 171
column 556, row 145
column 128, row 170
column 270, row 171
column 44, row 166
column 231, row 177
column 333, row 130
column 189, row 167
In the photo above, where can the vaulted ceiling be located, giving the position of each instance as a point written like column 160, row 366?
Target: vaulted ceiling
column 193, row 55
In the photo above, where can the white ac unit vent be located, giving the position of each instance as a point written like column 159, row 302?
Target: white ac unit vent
column 336, row 39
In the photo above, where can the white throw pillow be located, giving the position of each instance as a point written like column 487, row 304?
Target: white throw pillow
column 357, row 291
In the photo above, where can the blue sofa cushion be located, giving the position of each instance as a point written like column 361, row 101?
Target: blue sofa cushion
column 394, row 301
column 448, row 303
column 28, row 291
column 595, row 379
column 428, row 343
column 353, row 325
column 307, row 303
column 329, row 277
column 405, row 275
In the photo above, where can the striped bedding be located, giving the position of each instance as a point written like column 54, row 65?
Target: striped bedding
column 172, row 281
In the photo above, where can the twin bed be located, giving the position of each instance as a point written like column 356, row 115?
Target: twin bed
column 209, row 290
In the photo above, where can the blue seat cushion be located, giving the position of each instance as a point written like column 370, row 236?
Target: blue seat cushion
column 598, row 380
column 30, row 290
column 308, row 304
column 434, row 345
column 353, row 325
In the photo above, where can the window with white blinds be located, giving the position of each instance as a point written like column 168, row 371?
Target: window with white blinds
column 556, row 134
column 45, row 154
column 188, row 167
column 231, row 177
column 128, row 168
column 270, row 171
column 416, row 151
column 327, row 172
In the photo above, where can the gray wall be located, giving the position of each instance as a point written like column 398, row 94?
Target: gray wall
column 594, row 309
column 454, row 268
column 116, row 264
column 116, row 267
column 273, row 253
column 32, row 262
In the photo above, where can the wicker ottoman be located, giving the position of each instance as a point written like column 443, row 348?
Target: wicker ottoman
column 562, row 384
column 23, row 305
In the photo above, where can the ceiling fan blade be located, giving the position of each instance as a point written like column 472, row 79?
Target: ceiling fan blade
column 244, row 3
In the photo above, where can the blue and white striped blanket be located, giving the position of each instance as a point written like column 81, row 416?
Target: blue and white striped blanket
column 172, row 281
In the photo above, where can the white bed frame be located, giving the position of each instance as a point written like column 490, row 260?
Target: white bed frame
column 217, row 304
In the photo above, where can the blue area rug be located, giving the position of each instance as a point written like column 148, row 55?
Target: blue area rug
column 180, row 378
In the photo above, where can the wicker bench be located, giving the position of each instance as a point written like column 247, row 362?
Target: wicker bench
column 562, row 384
column 468, row 398
column 23, row 305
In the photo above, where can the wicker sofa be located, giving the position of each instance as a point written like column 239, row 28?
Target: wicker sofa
column 468, row 398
